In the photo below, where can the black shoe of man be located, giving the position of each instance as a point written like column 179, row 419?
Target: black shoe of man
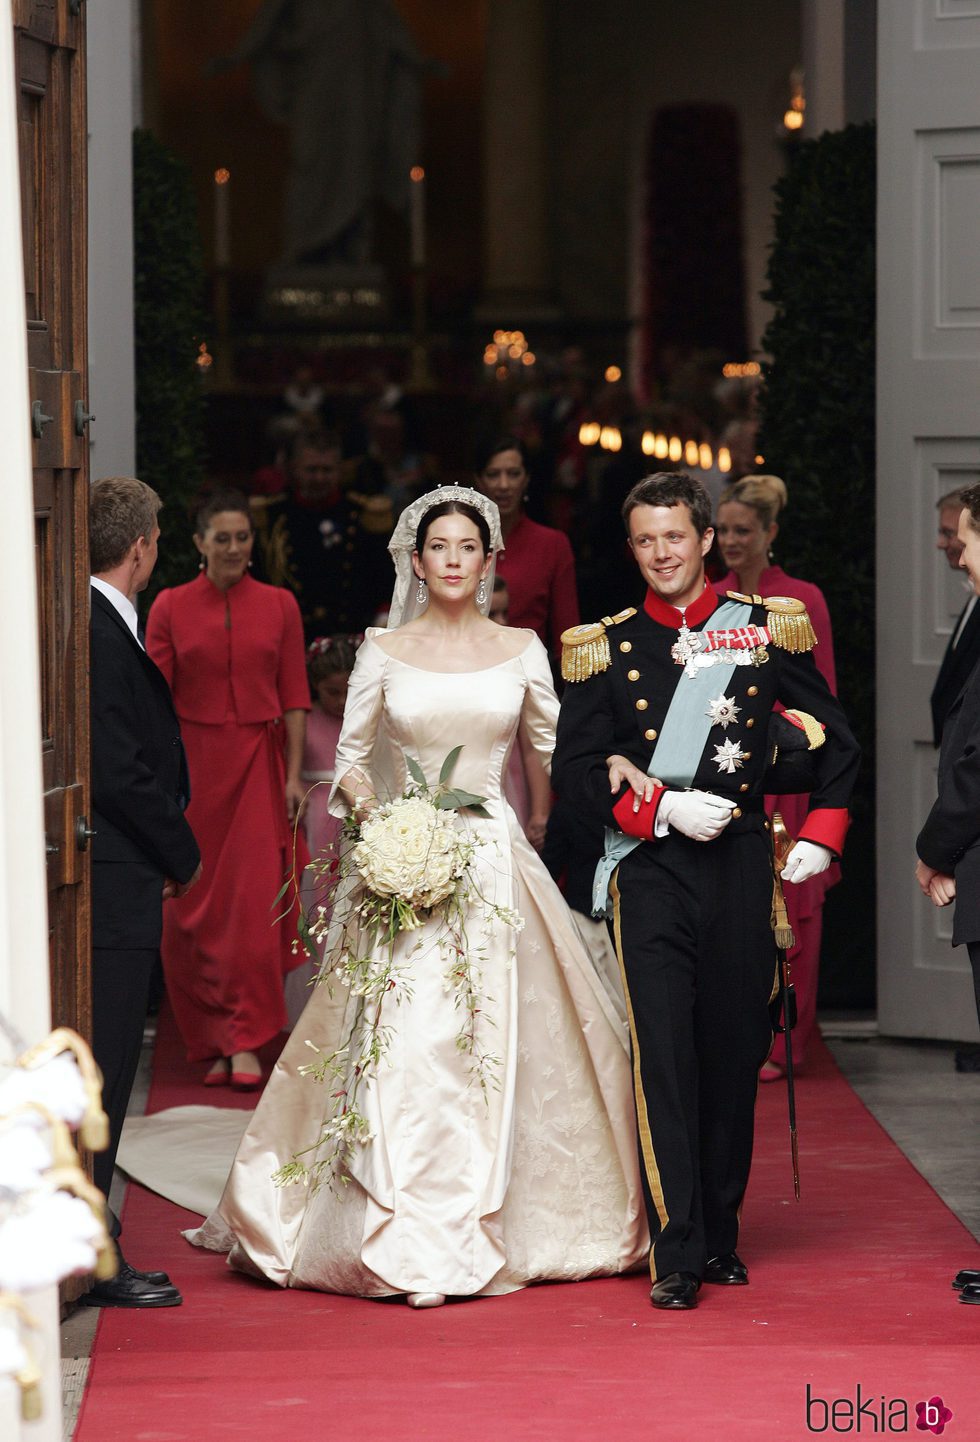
column 729, row 1270
column 128, row 1289
column 676, row 1292
column 967, row 1277
column 971, row 1294
column 157, row 1279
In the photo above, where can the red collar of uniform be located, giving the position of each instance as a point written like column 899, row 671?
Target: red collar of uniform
column 668, row 615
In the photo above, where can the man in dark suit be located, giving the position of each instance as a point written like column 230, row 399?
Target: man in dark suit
column 948, row 868
column 683, row 690
column 961, row 656
column 963, row 651
column 143, row 851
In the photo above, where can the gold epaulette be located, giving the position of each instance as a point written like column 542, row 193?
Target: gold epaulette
column 789, row 624
column 585, row 649
column 788, row 621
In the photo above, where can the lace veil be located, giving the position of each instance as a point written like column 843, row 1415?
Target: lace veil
column 405, row 605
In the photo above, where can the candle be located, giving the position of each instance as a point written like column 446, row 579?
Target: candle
column 222, row 219
column 416, row 198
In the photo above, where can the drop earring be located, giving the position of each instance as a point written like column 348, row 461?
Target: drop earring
column 481, row 592
column 420, row 593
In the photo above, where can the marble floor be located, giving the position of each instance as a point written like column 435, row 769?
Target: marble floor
column 930, row 1110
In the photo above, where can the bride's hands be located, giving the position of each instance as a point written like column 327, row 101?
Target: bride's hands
column 621, row 770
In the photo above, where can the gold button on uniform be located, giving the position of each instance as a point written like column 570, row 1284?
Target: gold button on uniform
column 642, row 705
column 626, row 645
column 633, row 675
column 651, row 735
column 750, row 721
column 752, row 691
column 737, row 811
column 746, row 755
column 744, row 786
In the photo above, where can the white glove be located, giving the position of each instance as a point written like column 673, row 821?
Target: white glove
column 806, row 860
column 698, row 814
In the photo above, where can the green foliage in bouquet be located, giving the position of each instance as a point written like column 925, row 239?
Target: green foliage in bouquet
column 405, row 866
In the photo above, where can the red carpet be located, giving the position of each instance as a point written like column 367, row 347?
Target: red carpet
column 850, row 1289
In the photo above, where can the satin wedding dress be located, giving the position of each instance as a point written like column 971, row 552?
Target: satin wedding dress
column 459, row 1190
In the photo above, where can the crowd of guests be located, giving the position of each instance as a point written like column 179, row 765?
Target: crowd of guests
column 258, row 652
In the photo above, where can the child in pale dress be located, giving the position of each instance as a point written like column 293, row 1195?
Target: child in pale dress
column 329, row 662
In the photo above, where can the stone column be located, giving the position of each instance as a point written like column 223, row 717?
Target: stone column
column 517, row 251
column 823, row 65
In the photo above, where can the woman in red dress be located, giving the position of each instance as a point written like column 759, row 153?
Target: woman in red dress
column 537, row 561
column 232, row 650
column 746, row 526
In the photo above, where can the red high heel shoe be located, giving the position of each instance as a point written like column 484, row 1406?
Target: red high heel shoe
column 245, row 1080
column 219, row 1074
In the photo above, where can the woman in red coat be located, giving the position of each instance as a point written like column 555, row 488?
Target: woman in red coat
column 746, row 527
column 232, row 650
column 537, row 561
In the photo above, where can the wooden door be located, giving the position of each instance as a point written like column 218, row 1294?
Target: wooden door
column 928, row 445
column 50, row 60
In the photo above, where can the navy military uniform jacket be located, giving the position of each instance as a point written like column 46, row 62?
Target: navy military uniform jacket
column 622, row 709
column 331, row 557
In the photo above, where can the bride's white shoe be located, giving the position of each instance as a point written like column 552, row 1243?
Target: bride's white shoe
column 425, row 1299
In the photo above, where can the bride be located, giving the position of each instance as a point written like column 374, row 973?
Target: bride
column 459, row 1189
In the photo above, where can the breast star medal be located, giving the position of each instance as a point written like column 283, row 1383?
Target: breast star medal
column 729, row 757
column 722, row 710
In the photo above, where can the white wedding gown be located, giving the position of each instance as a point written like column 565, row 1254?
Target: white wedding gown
column 458, row 1190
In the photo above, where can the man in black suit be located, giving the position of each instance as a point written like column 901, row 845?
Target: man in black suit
column 143, row 851
column 961, row 656
column 963, row 651
column 948, row 845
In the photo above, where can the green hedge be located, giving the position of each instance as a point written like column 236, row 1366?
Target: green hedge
column 169, row 320
column 818, row 433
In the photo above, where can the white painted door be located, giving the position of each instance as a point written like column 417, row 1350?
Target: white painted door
column 928, row 444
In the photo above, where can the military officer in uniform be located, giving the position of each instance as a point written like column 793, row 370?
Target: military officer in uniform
column 675, row 701
column 327, row 543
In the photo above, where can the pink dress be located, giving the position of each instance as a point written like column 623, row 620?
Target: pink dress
column 804, row 903
column 319, row 754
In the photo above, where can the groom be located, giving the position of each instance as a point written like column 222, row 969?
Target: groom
column 683, row 690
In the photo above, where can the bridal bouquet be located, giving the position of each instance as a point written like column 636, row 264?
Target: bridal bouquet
column 412, row 864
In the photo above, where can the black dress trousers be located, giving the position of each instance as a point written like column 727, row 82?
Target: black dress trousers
column 691, row 927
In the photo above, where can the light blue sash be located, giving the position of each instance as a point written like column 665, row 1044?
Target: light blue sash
column 680, row 745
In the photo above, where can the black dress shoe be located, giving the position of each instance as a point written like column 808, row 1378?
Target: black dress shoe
column 971, row 1293
column 728, row 1269
column 675, row 1291
column 967, row 1277
column 128, row 1289
column 158, row 1279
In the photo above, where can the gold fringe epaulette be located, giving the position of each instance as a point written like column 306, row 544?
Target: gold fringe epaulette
column 789, row 624
column 788, row 621
column 585, row 649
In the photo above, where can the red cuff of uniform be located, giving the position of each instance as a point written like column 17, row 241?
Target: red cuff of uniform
column 827, row 827
column 637, row 823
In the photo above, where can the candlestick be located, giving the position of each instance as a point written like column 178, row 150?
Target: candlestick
column 416, row 198
column 222, row 219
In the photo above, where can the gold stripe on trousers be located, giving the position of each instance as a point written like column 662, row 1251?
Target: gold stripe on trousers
column 642, row 1116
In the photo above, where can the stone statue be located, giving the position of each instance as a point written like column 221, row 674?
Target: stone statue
column 344, row 76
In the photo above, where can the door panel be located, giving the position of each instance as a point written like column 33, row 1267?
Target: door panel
column 51, row 87
column 928, row 445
